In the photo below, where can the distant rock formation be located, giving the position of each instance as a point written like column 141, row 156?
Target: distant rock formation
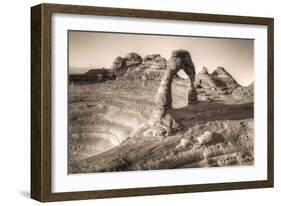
column 92, row 76
column 223, row 77
column 205, row 80
column 132, row 66
column 220, row 80
column 161, row 121
column 132, row 59
column 119, row 67
column 155, row 62
column 155, row 66
column 150, row 58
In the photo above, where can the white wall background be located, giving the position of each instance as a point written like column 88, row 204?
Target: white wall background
column 15, row 102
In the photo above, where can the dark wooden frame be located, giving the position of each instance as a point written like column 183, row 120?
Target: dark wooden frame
column 41, row 101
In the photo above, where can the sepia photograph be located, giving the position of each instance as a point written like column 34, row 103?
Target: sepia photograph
column 149, row 102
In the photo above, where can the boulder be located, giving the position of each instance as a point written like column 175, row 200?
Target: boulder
column 205, row 138
column 184, row 143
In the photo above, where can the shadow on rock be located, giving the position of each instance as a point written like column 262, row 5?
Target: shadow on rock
column 204, row 112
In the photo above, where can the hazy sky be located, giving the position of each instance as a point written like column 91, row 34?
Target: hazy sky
column 99, row 50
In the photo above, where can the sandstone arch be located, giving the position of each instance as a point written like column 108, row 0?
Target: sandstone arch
column 162, row 121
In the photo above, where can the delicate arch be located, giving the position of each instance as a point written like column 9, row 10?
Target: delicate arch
column 161, row 121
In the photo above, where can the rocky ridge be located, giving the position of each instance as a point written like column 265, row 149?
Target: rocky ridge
column 132, row 66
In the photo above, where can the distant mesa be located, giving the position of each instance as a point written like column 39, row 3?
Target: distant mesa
column 105, row 73
column 92, row 76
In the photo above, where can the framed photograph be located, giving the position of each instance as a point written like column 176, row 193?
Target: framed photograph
column 130, row 102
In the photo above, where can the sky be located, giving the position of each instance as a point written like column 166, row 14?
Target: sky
column 98, row 49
